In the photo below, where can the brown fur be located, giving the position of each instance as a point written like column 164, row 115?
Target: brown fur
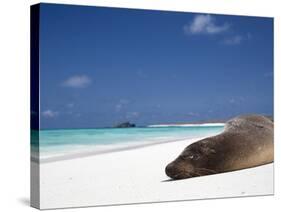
column 246, row 142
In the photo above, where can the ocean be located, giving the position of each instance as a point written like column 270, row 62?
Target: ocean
column 74, row 142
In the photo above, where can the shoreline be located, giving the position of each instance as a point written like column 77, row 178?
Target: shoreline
column 72, row 156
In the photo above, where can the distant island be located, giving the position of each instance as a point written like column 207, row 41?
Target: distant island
column 125, row 125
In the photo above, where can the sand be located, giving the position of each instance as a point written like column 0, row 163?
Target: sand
column 137, row 176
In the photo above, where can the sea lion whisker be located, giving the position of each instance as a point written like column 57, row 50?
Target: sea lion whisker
column 177, row 176
column 207, row 170
column 196, row 174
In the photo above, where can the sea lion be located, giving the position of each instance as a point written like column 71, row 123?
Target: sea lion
column 247, row 141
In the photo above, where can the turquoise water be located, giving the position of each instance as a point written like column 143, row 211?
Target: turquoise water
column 70, row 141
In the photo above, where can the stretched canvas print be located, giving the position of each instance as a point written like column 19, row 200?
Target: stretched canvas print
column 141, row 106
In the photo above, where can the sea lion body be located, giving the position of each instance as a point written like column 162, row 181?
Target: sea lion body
column 247, row 141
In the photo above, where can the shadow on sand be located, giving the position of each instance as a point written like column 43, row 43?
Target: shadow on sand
column 24, row 201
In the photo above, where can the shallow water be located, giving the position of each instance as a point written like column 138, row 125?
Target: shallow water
column 72, row 141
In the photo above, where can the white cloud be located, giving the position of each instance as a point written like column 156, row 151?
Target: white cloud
column 204, row 24
column 131, row 115
column 124, row 101
column 236, row 100
column 49, row 113
column 237, row 39
column 121, row 104
column 232, row 101
column 78, row 81
column 70, row 105
column 192, row 114
column 118, row 107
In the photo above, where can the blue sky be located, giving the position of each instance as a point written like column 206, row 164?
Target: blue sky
column 102, row 66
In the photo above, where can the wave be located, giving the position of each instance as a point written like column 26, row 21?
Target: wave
column 189, row 125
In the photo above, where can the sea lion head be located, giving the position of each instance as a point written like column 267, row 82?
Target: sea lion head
column 195, row 160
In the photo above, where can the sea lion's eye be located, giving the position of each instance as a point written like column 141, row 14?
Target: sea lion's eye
column 194, row 157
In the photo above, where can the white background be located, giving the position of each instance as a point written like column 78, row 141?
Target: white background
column 14, row 102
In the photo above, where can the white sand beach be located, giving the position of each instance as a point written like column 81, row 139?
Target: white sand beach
column 138, row 176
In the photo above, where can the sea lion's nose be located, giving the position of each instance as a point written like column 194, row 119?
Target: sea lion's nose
column 170, row 170
column 179, row 169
